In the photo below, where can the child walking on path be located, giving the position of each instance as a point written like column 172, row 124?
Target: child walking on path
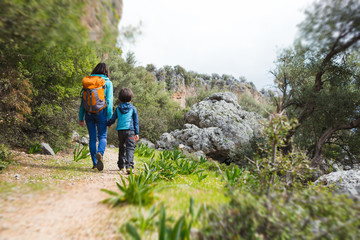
column 127, row 127
column 96, row 120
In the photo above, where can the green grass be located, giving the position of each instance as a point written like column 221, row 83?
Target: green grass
column 175, row 193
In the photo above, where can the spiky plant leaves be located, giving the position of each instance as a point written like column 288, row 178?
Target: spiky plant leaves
column 132, row 231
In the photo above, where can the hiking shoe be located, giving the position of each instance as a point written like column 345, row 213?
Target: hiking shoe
column 129, row 170
column 99, row 164
column 94, row 167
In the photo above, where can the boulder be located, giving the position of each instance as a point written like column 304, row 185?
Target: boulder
column 215, row 126
column 46, row 149
column 75, row 137
column 146, row 142
column 347, row 182
column 84, row 141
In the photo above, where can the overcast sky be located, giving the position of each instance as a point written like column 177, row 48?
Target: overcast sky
column 234, row 37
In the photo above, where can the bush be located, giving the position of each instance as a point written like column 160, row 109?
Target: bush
column 35, row 148
column 260, row 106
column 313, row 213
column 202, row 93
column 5, row 157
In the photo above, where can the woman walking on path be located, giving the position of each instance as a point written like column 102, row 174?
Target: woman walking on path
column 97, row 107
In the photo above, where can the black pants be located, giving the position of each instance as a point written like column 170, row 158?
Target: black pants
column 126, row 148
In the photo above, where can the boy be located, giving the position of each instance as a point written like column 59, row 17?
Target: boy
column 127, row 127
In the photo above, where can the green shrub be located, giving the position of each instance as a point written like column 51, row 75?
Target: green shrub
column 261, row 106
column 202, row 93
column 42, row 83
column 313, row 213
column 5, row 157
column 35, row 148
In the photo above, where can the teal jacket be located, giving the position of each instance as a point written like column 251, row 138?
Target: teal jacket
column 127, row 118
column 108, row 98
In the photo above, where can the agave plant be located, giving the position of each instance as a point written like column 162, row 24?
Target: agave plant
column 186, row 166
column 163, row 169
column 233, row 175
column 200, row 175
column 181, row 229
column 80, row 152
column 138, row 191
column 35, row 148
column 143, row 222
column 143, row 150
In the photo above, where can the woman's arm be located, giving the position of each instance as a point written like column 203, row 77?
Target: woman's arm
column 109, row 99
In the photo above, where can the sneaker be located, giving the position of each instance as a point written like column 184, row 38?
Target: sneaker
column 100, row 164
column 94, row 167
column 129, row 170
column 121, row 168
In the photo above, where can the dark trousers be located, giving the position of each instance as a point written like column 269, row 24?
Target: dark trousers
column 126, row 148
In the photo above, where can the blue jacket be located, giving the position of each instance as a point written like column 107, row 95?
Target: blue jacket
column 108, row 97
column 127, row 118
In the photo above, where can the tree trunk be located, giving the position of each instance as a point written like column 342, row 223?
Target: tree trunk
column 315, row 161
column 318, row 84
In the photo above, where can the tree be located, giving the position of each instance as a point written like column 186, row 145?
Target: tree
column 318, row 78
column 45, row 50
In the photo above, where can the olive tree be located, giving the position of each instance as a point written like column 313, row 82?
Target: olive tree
column 318, row 78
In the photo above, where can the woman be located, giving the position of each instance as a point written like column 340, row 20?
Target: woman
column 96, row 122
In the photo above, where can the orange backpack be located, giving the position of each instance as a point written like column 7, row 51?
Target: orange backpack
column 94, row 94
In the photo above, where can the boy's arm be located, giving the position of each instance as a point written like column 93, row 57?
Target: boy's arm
column 136, row 121
column 112, row 119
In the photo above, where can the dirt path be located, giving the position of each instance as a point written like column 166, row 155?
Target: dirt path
column 72, row 210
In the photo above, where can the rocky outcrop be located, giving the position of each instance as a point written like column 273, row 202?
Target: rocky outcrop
column 215, row 126
column 347, row 182
column 184, row 84
column 102, row 17
column 144, row 141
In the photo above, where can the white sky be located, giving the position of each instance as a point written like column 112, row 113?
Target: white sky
column 234, row 37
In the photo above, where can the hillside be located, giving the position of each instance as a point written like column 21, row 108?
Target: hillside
column 184, row 84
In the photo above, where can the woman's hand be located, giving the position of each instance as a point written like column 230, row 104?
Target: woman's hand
column 81, row 123
column 136, row 138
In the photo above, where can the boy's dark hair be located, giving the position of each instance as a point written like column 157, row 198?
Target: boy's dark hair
column 101, row 68
column 125, row 95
